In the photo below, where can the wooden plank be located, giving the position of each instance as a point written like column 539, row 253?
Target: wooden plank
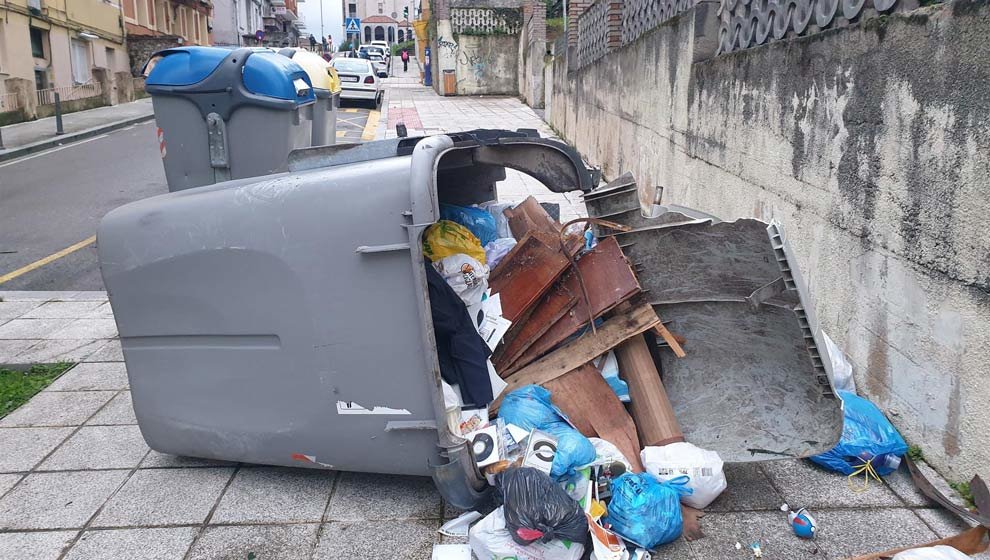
column 609, row 280
column 649, row 404
column 670, row 339
column 554, row 305
column 526, row 274
column 575, row 353
column 529, row 215
column 585, row 397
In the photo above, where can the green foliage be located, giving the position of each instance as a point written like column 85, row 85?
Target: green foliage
column 915, row 454
column 397, row 48
column 555, row 24
column 17, row 387
column 962, row 488
column 344, row 46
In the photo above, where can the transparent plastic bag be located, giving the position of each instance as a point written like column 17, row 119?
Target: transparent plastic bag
column 446, row 238
column 939, row 552
column 645, row 510
column 537, row 509
column 867, row 436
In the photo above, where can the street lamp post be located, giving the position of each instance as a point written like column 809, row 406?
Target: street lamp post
column 323, row 32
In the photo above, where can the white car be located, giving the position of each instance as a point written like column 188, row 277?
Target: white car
column 381, row 64
column 384, row 46
column 358, row 79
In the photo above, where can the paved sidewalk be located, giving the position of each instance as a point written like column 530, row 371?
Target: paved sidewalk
column 23, row 138
column 78, row 482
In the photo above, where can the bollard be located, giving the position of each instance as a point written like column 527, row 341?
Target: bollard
column 58, row 114
column 1, row 139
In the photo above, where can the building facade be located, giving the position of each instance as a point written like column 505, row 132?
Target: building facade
column 153, row 25
column 383, row 20
column 70, row 47
column 251, row 23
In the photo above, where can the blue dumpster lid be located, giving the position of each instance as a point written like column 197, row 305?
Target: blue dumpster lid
column 265, row 72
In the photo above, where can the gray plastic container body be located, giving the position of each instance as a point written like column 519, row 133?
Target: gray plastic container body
column 258, row 141
column 324, row 118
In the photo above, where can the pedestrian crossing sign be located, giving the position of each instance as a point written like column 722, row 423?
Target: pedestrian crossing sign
column 352, row 25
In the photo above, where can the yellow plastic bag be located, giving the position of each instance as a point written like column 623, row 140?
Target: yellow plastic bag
column 446, row 238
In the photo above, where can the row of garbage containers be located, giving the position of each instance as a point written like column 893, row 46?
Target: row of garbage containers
column 227, row 114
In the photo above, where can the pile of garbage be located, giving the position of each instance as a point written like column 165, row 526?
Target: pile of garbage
column 544, row 337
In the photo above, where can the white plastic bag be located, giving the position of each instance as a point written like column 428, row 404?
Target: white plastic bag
column 703, row 467
column 490, row 539
column 501, row 222
column 940, row 552
column 497, row 249
column 607, row 452
column 842, row 370
column 467, row 276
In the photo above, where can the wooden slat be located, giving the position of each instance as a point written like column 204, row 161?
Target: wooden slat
column 649, row 404
column 529, row 215
column 609, row 281
column 525, row 274
column 554, row 305
column 670, row 339
column 585, row 397
column 572, row 355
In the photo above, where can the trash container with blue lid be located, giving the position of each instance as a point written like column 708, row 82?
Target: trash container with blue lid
column 327, row 91
column 228, row 114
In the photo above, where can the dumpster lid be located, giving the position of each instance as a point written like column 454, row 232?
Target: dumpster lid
column 263, row 72
column 313, row 64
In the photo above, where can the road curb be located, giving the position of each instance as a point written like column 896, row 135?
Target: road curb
column 70, row 138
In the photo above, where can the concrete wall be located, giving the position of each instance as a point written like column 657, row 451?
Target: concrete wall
column 487, row 64
column 871, row 144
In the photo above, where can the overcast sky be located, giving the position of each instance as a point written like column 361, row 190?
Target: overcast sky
column 333, row 25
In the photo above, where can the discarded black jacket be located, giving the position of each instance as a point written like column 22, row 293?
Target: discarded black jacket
column 462, row 353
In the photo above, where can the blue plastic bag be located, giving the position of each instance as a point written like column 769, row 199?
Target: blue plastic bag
column 867, row 435
column 530, row 408
column 479, row 221
column 645, row 510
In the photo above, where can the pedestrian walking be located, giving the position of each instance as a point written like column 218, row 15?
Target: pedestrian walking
column 312, row 42
column 325, row 48
column 405, row 60
column 333, row 47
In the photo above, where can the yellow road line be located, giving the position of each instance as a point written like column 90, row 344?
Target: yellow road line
column 350, row 110
column 341, row 133
column 42, row 262
column 371, row 126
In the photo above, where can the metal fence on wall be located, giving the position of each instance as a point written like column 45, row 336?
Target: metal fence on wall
column 69, row 93
column 593, row 33
column 486, row 21
column 9, row 102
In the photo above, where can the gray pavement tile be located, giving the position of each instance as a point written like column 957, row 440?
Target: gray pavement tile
column 803, row 484
column 22, row 448
column 408, row 539
column 109, row 352
column 851, row 532
column 264, row 542
column 120, row 411
column 724, row 530
column 366, row 496
column 940, row 520
column 61, row 310
column 275, row 495
column 99, row 447
column 15, row 309
column 156, row 460
column 902, row 485
column 134, row 544
column 7, row 481
column 84, row 295
column 748, row 489
column 32, row 328
column 103, row 310
column 35, row 295
column 40, row 545
column 50, row 351
column 164, row 497
column 87, row 329
column 11, row 348
column 98, row 376
column 57, row 500
column 70, row 408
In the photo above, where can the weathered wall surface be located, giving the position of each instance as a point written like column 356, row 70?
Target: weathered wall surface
column 487, row 64
column 871, row 144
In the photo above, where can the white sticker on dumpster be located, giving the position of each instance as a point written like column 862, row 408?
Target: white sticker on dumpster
column 348, row 407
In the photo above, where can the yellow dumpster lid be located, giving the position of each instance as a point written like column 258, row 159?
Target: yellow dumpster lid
column 334, row 79
column 315, row 66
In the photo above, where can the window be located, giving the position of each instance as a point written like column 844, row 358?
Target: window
column 40, row 80
column 80, row 61
column 381, row 8
column 352, row 10
column 111, row 59
column 38, row 42
column 34, row 5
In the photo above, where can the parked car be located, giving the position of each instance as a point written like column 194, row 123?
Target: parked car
column 381, row 65
column 374, row 49
column 358, row 79
column 384, row 46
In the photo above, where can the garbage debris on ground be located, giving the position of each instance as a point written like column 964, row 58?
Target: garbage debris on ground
column 536, row 509
column 702, row 467
column 803, row 524
column 646, row 510
column 491, row 538
column 478, row 220
column 451, row 552
column 842, row 371
column 459, row 526
column 940, row 552
column 446, row 238
column 466, row 276
column 870, row 445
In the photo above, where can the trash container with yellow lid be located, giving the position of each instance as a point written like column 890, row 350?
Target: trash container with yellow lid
column 326, row 86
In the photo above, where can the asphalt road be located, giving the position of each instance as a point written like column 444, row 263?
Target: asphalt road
column 54, row 200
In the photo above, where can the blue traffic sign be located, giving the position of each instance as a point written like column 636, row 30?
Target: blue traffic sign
column 352, row 25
